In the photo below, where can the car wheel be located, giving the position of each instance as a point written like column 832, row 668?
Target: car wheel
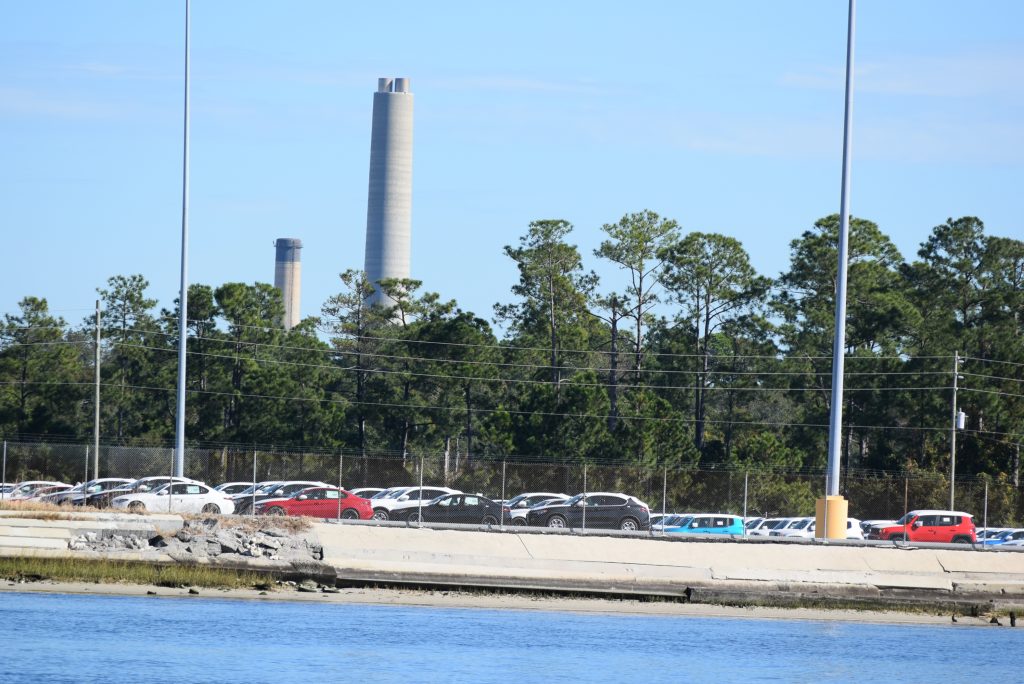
column 629, row 525
column 137, row 507
column 211, row 508
column 380, row 514
column 276, row 510
column 490, row 520
column 519, row 522
column 557, row 521
column 413, row 517
column 350, row 514
column 898, row 538
column 961, row 540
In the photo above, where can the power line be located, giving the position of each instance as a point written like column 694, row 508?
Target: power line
column 479, row 410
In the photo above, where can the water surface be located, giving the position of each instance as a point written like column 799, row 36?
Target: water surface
column 73, row 638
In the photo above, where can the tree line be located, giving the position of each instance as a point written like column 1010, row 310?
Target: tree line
column 687, row 356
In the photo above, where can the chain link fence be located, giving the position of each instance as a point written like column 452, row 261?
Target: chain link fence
column 993, row 502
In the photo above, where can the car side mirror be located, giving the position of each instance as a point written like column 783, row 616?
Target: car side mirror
column 404, row 497
column 302, row 497
column 279, row 492
column 161, row 493
column 693, row 524
column 917, row 523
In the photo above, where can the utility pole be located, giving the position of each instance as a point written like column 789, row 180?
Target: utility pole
column 96, row 403
column 957, row 423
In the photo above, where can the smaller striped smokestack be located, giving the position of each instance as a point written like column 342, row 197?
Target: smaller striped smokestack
column 288, row 278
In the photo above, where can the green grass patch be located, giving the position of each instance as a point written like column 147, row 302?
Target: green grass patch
column 127, row 572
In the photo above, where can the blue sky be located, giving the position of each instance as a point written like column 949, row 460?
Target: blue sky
column 725, row 116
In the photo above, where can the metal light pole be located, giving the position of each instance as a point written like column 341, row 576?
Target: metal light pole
column 96, row 407
column 179, row 429
column 839, row 344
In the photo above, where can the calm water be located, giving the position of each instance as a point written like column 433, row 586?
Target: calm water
column 59, row 638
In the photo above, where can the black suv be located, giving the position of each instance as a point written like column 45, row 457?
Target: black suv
column 599, row 510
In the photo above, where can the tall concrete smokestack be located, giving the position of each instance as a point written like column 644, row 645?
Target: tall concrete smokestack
column 389, row 204
column 288, row 278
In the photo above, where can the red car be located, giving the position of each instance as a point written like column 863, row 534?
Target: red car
column 319, row 502
column 929, row 526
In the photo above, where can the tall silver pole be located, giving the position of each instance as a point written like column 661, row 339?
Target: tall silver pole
column 838, row 349
column 3, row 475
column 96, row 406
column 179, row 429
column 952, row 431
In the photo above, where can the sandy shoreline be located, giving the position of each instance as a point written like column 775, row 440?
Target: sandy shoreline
column 491, row 601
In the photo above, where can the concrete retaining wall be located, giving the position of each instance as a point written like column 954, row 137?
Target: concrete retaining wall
column 672, row 567
column 741, row 571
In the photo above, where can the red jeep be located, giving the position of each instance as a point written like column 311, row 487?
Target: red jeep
column 929, row 526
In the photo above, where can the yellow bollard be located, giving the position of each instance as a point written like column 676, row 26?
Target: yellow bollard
column 838, row 508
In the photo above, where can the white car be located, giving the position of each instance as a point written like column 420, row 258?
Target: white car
column 232, row 488
column 26, row 490
column 366, row 492
column 179, row 497
column 805, row 529
column 764, row 528
column 515, row 508
column 406, row 497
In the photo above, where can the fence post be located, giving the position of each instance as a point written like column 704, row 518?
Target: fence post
column 584, row 497
column 746, row 474
column 252, row 509
column 985, row 518
column 341, row 462
column 3, row 476
column 86, row 467
column 419, row 503
column 664, row 496
column 502, row 522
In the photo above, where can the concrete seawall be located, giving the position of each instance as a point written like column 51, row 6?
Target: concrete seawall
column 732, row 571
column 740, row 572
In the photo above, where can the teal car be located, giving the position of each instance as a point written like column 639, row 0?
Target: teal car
column 706, row 523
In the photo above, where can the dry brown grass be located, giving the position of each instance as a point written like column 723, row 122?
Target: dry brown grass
column 46, row 511
column 252, row 524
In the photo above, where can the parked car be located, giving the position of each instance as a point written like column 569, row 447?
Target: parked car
column 751, row 523
column 599, row 510
column 272, row 490
column 866, row 525
column 25, row 490
column 707, row 523
column 232, row 488
column 929, row 526
column 366, row 492
column 764, row 528
column 319, row 502
column 43, row 494
column 100, row 484
column 102, row 498
column 468, row 509
column 807, row 528
column 1003, row 537
column 515, row 508
column 176, row 497
column 406, row 497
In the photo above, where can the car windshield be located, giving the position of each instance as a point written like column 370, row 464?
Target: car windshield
column 682, row 521
column 267, row 488
column 801, row 524
column 514, row 500
column 905, row 519
column 1004, row 535
column 573, row 500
